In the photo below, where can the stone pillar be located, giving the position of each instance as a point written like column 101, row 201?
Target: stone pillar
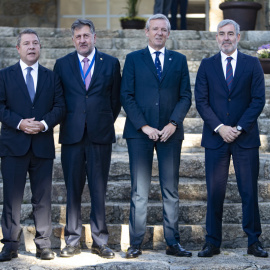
column 215, row 14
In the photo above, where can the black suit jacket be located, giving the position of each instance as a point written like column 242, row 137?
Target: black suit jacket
column 148, row 101
column 15, row 105
column 240, row 106
column 98, row 107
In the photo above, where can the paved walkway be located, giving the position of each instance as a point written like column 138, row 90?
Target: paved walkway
column 150, row 260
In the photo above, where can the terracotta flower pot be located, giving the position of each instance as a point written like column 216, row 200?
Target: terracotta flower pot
column 265, row 62
column 244, row 13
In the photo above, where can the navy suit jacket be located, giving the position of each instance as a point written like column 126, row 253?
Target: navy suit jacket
column 241, row 106
column 15, row 105
column 148, row 101
column 97, row 107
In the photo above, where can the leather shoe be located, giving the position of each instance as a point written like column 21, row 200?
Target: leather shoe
column 103, row 251
column 45, row 254
column 133, row 252
column 257, row 250
column 70, row 251
column 178, row 251
column 7, row 254
column 209, row 250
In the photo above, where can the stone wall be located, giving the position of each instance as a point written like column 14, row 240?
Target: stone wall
column 28, row 13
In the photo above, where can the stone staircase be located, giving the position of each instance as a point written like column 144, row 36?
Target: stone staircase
column 192, row 188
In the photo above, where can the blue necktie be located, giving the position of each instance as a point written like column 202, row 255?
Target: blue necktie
column 30, row 84
column 229, row 73
column 158, row 65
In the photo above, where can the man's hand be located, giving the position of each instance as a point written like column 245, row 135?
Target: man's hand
column 152, row 133
column 228, row 134
column 167, row 132
column 30, row 126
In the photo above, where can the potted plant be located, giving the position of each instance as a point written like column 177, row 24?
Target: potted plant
column 264, row 57
column 243, row 12
column 131, row 21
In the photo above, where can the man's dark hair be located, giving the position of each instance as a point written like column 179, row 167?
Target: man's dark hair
column 26, row 31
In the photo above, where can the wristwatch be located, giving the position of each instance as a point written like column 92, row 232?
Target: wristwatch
column 239, row 128
column 174, row 123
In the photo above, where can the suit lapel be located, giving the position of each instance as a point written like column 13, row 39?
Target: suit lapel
column 42, row 77
column 240, row 64
column 147, row 58
column 98, row 64
column 167, row 63
column 219, row 71
column 74, row 63
column 19, row 79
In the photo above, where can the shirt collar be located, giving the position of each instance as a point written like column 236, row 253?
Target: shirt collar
column 24, row 66
column 153, row 51
column 224, row 56
column 90, row 56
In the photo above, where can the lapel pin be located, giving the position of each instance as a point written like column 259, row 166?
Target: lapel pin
column 101, row 59
column 170, row 59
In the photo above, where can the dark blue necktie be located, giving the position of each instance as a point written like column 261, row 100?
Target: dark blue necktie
column 30, row 84
column 158, row 65
column 229, row 73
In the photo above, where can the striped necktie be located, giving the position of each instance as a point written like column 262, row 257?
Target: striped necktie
column 229, row 73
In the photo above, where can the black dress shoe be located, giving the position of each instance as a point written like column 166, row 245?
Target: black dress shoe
column 70, row 251
column 133, row 252
column 7, row 254
column 178, row 251
column 209, row 250
column 257, row 250
column 103, row 251
column 45, row 254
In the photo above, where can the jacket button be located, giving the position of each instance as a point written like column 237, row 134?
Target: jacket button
column 156, row 103
column 229, row 99
column 33, row 108
column 228, row 114
column 86, row 97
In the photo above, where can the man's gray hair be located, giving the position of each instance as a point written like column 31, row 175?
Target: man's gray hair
column 26, row 31
column 225, row 22
column 158, row 17
column 78, row 24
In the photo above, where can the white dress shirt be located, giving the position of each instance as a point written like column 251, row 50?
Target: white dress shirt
column 34, row 73
column 224, row 64
column 161, row 56
column 90, row 57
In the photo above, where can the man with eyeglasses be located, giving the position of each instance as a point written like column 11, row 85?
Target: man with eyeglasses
column 91, row 82
column 31, row 104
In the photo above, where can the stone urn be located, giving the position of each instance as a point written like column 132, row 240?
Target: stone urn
column 244, row 13
column 265, row 63
column 132, row 23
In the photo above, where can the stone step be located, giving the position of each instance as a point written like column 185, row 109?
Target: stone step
column 191, row 166
column 190, row 213
column 119, row 191
column 191, row 237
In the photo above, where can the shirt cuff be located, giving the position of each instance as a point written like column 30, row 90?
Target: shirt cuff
column 18, row 127
column 45, row 125
column 217, row 128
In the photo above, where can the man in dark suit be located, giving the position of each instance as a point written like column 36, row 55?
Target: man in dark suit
column 230, row 95
column 92, row 93
column 31, row 104
column 156, row 96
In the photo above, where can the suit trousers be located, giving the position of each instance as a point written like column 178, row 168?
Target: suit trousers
column 78, row 160
column 246, row 165
column 141, row 158
column 14, row 171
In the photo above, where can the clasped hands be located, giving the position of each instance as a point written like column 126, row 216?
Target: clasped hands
column 155, row 134
column 30, row 126
column 228, row 134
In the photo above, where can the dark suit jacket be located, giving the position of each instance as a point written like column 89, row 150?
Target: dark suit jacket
column 98, row 107
column 148, row 101
column 241, row 106
column 15, row 105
